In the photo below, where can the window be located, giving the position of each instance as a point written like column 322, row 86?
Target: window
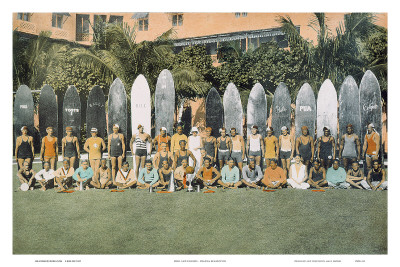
column 143, row 24
column 57, row 20
column 237, row 14
column 116, row 19
column 24, row 16
column 100, row 18
column 244, row 14
column 82, row 27
column 177, row 20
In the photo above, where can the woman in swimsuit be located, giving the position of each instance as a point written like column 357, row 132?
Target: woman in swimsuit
column 116, row 149
column 138, row 147
column 49, row 149
column 70, row 147
column 26, row 175
column 24, row 149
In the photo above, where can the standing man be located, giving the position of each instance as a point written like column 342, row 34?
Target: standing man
column 326, row 148
column 210, row 145
column 255, row 145
column 64, row 175
column 176, row 138
column 224, row 145
column 138, row 147
column 95, row 147
column 102, row 177
column 271, row 146
column 162, row 138
column 336, row 176
column 252, row 174
column 238, row 150
column 274, row 176
column 148, row 176
column 230, row 176
column 116, row 149
column 286, row 148
column 317, row 177
column 371, row 146
column 305, row 146
column 125, row 177
column 349, row 147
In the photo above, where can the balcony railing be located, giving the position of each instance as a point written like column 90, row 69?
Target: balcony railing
column 82, row 37
column 25, row 26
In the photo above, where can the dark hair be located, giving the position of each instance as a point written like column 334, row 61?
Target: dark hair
column 148, row 161
column 230, row 158
column 182, row 141
column 336, row 160
column 46, row 162
column 206, row 158
column 375, row 160
column 233, row 128
column 125, row 163
column 274, row 160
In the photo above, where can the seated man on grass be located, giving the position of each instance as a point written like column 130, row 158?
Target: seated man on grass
column 102, row 177
column 148, row 176
column 336, row 176
column 317, row 177
column 180, row 175
column 27, row 175
column 208, row 176
column 252, row 174
column 376, row 179
column 355, row 175
column 125, row 177
column 64, row 176
column 230, row 175
column 45, row 177
column 166, row 174
column 83, row 175
column 274, row 176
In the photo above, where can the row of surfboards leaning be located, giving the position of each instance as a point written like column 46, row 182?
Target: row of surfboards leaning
column 356, row 105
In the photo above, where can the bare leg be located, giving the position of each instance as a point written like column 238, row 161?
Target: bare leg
column 258, row 161
column 350, row 181
column 138, row 163
column 114, row 166
column 221, row 164
column 53, row 163
column 72, row 161
column 21, row 162
column 119, row 162
column 267, row 161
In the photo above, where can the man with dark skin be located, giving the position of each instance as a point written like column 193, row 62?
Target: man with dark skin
column 162, row 155
column 166, row 174
column 305, row 146
column 176, row 138
column 102, row 177
column 376, row 179
column 24, row 149
column 317, row 176
column 349, row 147
column 326, row 148
column 208, row 176
column 274, row 176
column 116, row 149
column 26, row 175
column 183, row 153
column 355, row 175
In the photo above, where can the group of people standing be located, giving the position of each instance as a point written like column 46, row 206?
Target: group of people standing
column 205, row 161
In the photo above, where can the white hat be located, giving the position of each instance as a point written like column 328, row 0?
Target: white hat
column 94, row 130
column 372, row 125
column 116, row 126
column 163, row 129
column 283, row 128
column 194, row 129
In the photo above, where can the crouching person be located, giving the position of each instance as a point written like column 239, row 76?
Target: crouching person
column 252, row 174
column 148, row 176
column 180, row 175
column 376, row 179
column 45, row 177
column 298, row 174
column 102, row 177
column 26, row 175
column 274, row 176
column 63, row 176
column 125, row 177
column 317, row 177
column 336, row 176
column 83, row 175
column 355, row 175
column 230, row 175
column 208, row 176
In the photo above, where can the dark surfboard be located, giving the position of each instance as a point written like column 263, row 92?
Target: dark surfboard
column 281, row 109
column 186, row 118
column 117, row 108
column 370, row 104
column 327, row 110
column 305, row 110
column 164, row 102
column 72, row 111
column 23, row 111
column 96, row 112
column 233, row 111
column 214, row 112
column 48, row 111
column 257, row 110
column 349, row 106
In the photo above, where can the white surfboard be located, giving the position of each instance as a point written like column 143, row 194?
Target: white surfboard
column 327, row 109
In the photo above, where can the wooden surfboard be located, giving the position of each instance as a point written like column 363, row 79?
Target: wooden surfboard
column 214, row 112
column 96, row 112
column 164, row 103
column 141, row 105
column 71, row 115
column 48, row 111
column 117, row 109
column 349, row 106
column 23, row 111
column 281, row 109
column 327, row 109
column 257, row 110
column 305, row 113
column 370, row 104
column 233, row 111
column 186, row 118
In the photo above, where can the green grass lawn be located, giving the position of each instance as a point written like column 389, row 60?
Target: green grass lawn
column 286, row 221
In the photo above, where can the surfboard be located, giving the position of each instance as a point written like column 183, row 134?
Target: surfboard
column 164, row 103
column 96, row 112
column 305, row 113
column 214, row 112
column 71, row 115
column 186, row 118
column 141, row 105
column 233, row 111
column 48, row 111
column 257, row 110
column 349, row 106
column 23, row 111
column 281, row 109
column 327, row 109
column 117, row 108
column 370, row 104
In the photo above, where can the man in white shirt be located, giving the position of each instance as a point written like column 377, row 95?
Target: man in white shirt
column 45, row 177
column 125, row 177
